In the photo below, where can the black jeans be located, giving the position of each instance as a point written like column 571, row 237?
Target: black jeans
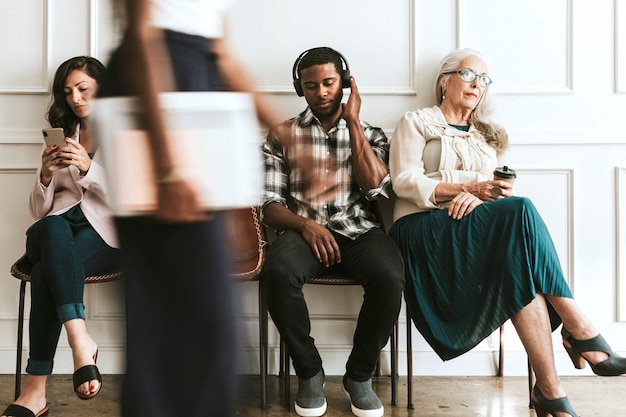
column 373, row 259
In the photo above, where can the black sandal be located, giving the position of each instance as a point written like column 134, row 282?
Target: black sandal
column 85, row 374
column 15, row 410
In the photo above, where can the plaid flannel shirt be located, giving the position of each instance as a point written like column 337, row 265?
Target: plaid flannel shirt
column 313, row 177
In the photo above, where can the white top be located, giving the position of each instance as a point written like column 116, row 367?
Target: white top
column 425, row 151
column 194, row 17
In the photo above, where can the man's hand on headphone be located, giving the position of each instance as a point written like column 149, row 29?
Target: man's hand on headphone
column 352, row 108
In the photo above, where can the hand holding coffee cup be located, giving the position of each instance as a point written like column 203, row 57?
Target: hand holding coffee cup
column 503, row 173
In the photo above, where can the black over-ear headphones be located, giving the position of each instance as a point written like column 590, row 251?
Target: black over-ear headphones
column 345, row 71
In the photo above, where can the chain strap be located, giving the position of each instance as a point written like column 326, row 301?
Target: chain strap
column 261, row 243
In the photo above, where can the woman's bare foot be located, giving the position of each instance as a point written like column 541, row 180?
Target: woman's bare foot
column 33, row 395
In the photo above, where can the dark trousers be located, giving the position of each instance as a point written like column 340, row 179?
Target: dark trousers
column 373, row 259
column 181, row 343
column 61, row 258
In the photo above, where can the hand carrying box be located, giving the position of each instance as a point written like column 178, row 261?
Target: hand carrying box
column 214, row 140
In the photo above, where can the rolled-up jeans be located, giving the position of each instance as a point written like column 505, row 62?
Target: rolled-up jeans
column 61, row 259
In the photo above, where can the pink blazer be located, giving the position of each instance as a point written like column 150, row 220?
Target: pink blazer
column 67, row 189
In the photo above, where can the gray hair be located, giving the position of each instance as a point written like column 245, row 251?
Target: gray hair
column 495, row 135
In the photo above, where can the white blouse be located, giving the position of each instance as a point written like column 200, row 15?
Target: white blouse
column 425, row 150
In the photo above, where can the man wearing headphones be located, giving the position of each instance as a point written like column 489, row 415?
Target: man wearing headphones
column 324, row 170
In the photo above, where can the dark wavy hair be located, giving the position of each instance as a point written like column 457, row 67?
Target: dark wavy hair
column 320, row 56
column 59, row 112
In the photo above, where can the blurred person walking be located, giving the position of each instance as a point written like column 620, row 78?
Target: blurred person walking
column 181, row 340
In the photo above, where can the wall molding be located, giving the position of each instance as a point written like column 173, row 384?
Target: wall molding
column 20, row 136
column 544, row 136
column 557, row 137
column 568, row 88
column 29, row 171
column 363, row 91
column 97, row 310
column 620, row 47
column 620, row 236
column 408, row 90
column 41, row 85
column 93, row 28
column 584, row 136
column 570, row 221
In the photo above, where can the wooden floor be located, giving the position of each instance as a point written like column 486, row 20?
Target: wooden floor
column 433, row 396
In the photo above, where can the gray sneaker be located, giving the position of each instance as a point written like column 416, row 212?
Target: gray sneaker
column 364, row 401
column 311, row 401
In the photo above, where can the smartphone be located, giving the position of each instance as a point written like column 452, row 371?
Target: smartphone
column 54, row 136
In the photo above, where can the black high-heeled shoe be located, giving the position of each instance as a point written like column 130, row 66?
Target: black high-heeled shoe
column 613, row 366
column 545, row 407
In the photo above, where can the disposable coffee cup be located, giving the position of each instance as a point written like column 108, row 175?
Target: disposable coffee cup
column 505, row 173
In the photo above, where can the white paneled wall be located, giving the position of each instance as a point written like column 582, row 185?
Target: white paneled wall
column 560, row 82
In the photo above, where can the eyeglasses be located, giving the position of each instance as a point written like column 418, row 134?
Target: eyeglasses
column 468, row 76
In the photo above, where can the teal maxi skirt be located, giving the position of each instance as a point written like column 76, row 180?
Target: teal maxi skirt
column 464, row 278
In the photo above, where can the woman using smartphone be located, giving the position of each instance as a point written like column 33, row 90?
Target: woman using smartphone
column 72, row 238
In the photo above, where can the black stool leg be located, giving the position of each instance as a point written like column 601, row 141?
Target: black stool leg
column 20, row 337
column 501, row 353
column 409, row 361
column 263, row 344
column 394, row 364
column 286, row 374
column 531, row 384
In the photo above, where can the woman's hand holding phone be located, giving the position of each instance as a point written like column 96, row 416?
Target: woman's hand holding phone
column 61, row 152
column 49, row 164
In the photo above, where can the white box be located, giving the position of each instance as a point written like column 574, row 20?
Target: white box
column 214, row 142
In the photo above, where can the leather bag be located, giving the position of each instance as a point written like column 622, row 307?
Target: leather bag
column 246, row 242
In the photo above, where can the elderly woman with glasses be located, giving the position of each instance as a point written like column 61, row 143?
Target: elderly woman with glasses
column 475, row 255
